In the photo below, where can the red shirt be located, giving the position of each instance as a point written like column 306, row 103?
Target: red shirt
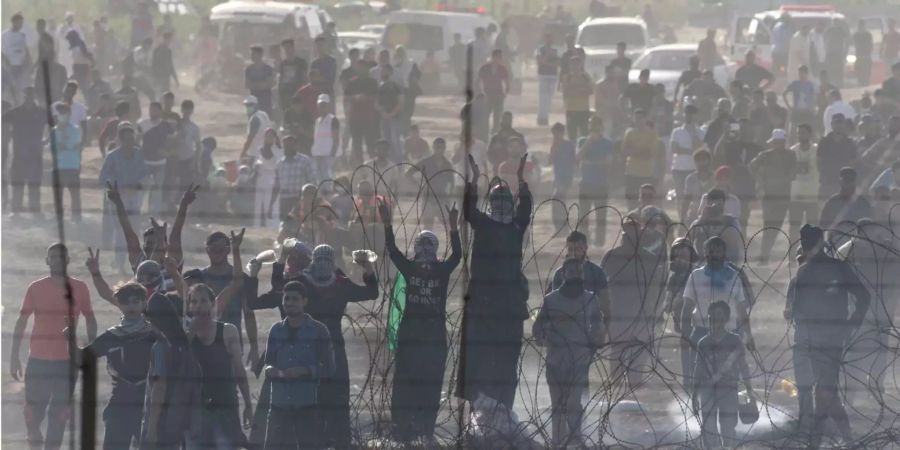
column 368, row 210
column 309, row 98
column 47, row 301
column 493, row 78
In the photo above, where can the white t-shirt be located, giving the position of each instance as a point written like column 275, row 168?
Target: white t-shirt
column 77, row 112
column 263, row 123
column 478, row 151
column 699, row 288
column 323, row 136
column 805, row 187
column 732, row 205
column 15, row 46
column 685, row 138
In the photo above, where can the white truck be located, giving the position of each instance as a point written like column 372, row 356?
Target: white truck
column 754, row 32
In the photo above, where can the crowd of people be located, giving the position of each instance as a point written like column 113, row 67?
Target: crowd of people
column 783, row 141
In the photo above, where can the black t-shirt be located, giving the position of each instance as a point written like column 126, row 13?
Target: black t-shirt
column 127, row 360
column 154, row 139
column 712, row 356
column 255, row 73
column 28, row 123
column 752, row 75
column 640, row 96
column 345, row 77
column 291, row 75
column 688, row 76
column 550, row 59
column 426, row 284
column 389, row 95
column 162, row 64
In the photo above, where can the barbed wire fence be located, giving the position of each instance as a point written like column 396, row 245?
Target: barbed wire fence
column 771, row 365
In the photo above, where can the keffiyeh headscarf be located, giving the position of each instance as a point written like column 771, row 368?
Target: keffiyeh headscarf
column 425, row 247
column 500, row 204
column 321, row 271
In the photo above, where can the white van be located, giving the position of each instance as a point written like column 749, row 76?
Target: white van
column 245, row 23
column 599, row 37
column 423, row 31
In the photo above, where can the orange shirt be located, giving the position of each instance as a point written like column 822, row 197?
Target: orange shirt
column 47, row 301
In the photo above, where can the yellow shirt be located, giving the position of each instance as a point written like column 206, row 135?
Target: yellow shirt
column 577, row 90
column 640, row 150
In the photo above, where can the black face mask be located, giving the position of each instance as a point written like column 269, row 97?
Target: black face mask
column 572, row 288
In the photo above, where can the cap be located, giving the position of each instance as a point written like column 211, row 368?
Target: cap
column 251, row 100
column 778, row 134
column 124, row 125
column 302, row 249
column 324, row 98
column 723, row 172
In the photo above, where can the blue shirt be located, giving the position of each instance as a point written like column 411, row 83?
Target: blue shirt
column 886, row 179
column 594, row 161
column 564, row 164
column 781, row 37
column 68, row 146
column 118, row 167
column 308, row 346
column 595, row 279
column 804, row 94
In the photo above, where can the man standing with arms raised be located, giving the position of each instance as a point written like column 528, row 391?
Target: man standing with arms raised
column 497, row 292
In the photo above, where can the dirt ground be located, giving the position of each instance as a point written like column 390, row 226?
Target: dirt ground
column 652, row 415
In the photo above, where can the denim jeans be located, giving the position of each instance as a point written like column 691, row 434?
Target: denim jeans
column 155, row 183
column 546, row 88
column 324, row 167
column 112, row 236
column 390, row 131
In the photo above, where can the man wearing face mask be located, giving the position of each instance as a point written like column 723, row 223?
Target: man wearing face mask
column 126, row 348
column 329, row 292
column 571, row 326
column 636, row 278
column 422, row 336
column 818, row 303
column 497, row 291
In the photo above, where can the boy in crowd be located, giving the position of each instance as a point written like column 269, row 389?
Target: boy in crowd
column 719, row 367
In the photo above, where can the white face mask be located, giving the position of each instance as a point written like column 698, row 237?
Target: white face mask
column 62, row 118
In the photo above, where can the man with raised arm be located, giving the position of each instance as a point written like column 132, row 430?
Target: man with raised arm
column 497, row 296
